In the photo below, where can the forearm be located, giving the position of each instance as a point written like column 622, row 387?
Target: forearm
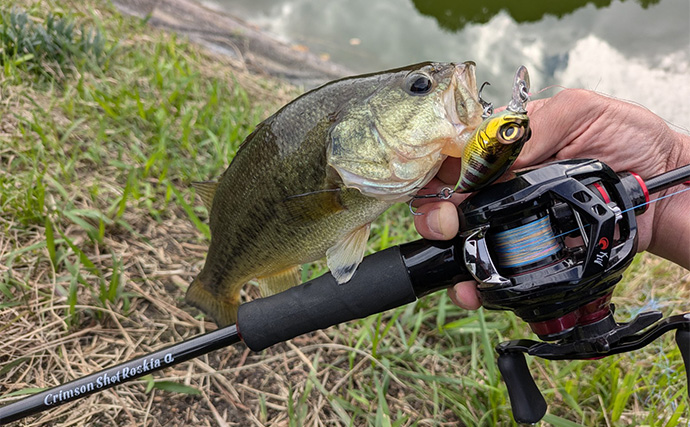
column 671, row 227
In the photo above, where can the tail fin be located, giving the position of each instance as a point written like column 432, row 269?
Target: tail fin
column 222, row 310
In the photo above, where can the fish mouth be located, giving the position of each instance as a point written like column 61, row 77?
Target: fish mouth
column 462, row 107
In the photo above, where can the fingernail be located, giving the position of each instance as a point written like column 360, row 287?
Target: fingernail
column 433, row 221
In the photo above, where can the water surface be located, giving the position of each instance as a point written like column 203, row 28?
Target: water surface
column 638, row 50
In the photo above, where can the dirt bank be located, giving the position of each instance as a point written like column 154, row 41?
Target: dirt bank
column 258, row 51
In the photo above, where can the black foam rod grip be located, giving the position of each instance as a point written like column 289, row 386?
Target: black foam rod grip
column 381, row 282
column 526, row 400
column 683, row 341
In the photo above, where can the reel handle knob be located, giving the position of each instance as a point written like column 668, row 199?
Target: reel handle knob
column 526, row 400
column 683, row 341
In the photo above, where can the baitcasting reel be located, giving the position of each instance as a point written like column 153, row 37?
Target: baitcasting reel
column 550, row 245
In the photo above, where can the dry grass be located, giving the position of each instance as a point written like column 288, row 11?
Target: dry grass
column 49, row 339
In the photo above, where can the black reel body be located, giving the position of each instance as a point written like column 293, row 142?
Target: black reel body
column 550, row 245
column 552, row 241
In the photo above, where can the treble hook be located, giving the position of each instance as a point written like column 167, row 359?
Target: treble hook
column 487, row 107
column 444, row 194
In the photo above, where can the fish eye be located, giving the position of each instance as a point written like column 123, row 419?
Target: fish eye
column 418, row 84
column 511, row 132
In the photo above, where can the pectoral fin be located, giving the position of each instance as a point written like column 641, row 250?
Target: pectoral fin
column 307, row 208
column 280, row 281
column 207, row 190
column 344, row 257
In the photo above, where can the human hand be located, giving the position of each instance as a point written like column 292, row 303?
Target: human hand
column 583, row 124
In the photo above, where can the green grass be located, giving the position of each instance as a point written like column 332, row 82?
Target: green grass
column 148, row 123
column 52, row 48
column 99, row 139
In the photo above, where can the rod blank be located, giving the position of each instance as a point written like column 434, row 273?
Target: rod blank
column 668, row 179
column 123, row 372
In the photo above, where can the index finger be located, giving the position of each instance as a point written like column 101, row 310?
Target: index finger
column 558, row 121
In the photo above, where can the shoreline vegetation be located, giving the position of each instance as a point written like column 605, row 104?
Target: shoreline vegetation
column 255, row 50
column 104, row 122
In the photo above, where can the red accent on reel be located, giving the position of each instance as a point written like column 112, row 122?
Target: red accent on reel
column 585, row 315
column 604, row 194
column 603, row 243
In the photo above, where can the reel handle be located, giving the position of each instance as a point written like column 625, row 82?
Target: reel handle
column 526, row 400
column 683, row 341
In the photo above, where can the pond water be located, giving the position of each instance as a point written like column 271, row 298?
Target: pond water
column 638, row 50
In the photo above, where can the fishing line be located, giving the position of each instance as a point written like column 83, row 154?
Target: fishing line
column 529, row 243
column 537, row 243
column 548, row 241
column 548, row 88
column 657, row 199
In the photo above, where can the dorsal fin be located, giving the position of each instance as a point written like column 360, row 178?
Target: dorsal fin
column 206, row 189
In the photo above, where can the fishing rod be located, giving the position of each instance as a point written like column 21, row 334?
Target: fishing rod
column 384, row 280
column 516, row 242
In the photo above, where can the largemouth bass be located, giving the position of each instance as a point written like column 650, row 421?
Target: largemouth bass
column 497, row 142
column 310, row 179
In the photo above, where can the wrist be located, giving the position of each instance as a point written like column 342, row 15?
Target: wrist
column 671, row 223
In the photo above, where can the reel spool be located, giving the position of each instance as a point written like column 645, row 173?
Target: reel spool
column 526, row 245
